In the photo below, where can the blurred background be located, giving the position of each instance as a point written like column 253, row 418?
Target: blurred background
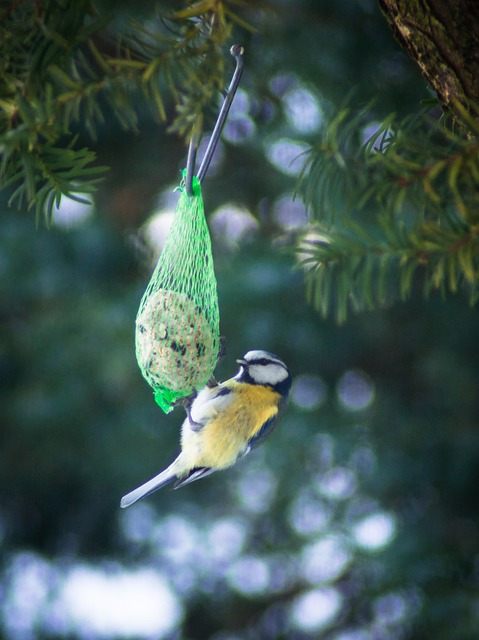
column 358, row 519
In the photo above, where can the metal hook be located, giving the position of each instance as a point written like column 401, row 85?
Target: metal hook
column 190, row 164
column 237, row 51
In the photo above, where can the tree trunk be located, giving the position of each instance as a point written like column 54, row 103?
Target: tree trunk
column 442, row 36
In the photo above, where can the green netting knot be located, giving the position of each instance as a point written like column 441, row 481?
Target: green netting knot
column 177, row 325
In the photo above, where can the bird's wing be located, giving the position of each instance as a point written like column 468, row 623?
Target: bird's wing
column 207, row 404
column 262, row 434
column 266, row 428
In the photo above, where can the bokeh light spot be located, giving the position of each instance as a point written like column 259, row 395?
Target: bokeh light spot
column 309, row 392
column 316, row 609
column 309, row 515
column 325, row 559
column 177, row 538
column 338, row 483
column 227, row 538
column 375, row 531
column 157, row 228
column 233, row 225
column 390, row 609
column 25, row 592
column 138, row 524
column 71, row 212
column 302, row 109
column 287, row 155
column 256, row 489
column 289, row 212
column 120, row 603
column 61, row 599
column 355, row 390
column 249, row 575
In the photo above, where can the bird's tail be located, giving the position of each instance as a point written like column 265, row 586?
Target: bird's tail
column 166, row 476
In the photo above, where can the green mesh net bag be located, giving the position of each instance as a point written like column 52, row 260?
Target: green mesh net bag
column 177, row 325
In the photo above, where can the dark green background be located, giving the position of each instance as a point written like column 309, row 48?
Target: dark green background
column 79, row 427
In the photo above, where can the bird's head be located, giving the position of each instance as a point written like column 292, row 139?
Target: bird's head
column 264, row 368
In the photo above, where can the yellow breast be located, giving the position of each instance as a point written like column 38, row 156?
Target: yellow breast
column 225, row 436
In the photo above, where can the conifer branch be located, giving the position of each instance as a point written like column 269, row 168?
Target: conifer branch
column 59, row 72
column 396, row 210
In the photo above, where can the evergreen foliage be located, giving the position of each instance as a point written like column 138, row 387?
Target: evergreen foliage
column 390, row 210
column 359, row 518
column 59, row 71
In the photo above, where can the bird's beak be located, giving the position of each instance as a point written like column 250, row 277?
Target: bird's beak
column 242, row 362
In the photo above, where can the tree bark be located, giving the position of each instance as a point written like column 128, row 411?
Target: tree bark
column 442, row 36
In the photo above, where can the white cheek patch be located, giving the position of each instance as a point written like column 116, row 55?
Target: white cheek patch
column 270, row 374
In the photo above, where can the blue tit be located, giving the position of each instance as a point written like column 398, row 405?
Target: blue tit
column 226, row 421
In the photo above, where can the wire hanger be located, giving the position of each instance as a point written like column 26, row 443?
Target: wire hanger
column 237, row 52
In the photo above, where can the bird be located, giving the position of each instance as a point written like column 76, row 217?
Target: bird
column 225, row 421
